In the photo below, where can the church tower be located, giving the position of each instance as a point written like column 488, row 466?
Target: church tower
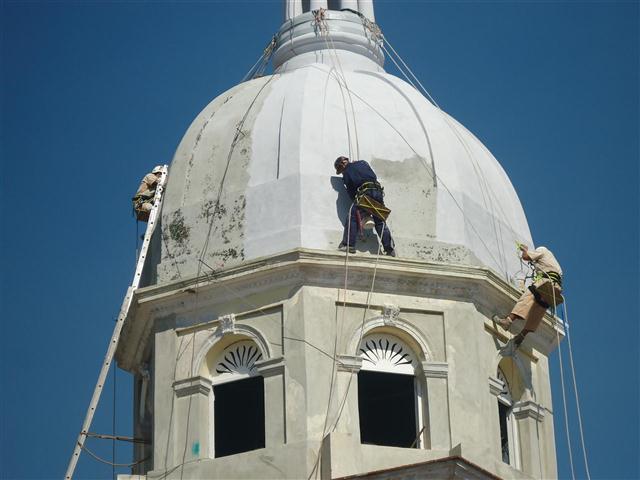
column 259, row 350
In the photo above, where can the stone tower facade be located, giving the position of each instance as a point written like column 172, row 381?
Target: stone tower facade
column 261, row 351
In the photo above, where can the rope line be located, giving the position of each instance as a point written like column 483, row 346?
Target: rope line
column 486, row 192
column 107, row 462
column 564, row 396
column 575, row 389
column 436, row 178
column 216, row 205
column 479, row 171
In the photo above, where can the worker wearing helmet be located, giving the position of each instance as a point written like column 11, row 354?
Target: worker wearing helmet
column 545, row 292
column 143, row 199
column 360, row 179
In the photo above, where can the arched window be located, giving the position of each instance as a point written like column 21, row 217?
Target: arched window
column 238, row 392
column 390, row 396
column 508, row 424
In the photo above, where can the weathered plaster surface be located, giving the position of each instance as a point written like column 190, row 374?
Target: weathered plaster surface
column 301, row 322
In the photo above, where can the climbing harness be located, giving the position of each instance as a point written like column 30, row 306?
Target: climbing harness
column 138, row 202
column 370, row 205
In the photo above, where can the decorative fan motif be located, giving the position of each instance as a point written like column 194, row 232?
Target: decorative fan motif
column 239, row 358
column 386, row 353
column 505, row 389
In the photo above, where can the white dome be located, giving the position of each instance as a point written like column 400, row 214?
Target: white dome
column 280, row 191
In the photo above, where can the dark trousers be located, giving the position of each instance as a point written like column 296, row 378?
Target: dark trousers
column 351, row 225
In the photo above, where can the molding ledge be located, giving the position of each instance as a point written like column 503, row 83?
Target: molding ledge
column 349, row 363
column 529, row 409
column 191, row 386
column 271, row 367
column 496, row 386
column 317, row 268
column 435, row 369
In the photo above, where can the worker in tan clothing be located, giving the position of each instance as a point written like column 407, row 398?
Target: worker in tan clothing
column 143, row 199
column 545, row 291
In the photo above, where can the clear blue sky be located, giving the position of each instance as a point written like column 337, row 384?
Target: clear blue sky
column 95, row 93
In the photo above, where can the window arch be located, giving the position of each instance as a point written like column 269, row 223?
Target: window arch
column 238, row 399
column 237, row 361
column 390, row 393
column 508, row 425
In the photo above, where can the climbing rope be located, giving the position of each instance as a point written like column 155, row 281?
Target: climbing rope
column 107, row 462
column 484, row 185
column 438, row 180
column 259, row 67
column 564, row 396
column 323, row 29
column 575, row 389
column 204, row 249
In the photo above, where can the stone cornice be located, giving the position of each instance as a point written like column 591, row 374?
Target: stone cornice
column 349, row 363
column 271, row 366
column 496, row 386
column 190, row 386
column 321, row 268
column 435, row 369
column 529, row 409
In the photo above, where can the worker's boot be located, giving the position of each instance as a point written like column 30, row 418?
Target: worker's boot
column 504, row 322
column 343, row 248
column 519, row 338
column 368, row 223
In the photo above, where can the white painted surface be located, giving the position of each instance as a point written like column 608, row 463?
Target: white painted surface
column 283, row 189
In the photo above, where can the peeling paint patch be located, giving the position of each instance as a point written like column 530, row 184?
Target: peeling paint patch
column 443, row 253
column 228, row 254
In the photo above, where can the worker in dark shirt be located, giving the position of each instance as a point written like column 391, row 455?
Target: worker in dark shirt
column 359, row 178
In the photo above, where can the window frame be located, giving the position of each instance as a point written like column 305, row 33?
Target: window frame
column 505, row 398
column 240, row 371
column 388, row 359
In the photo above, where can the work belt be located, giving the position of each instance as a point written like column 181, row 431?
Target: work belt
column 544, row 291
column 553, row 276
column 369, row 204
column 141, row 199
column 539, row 300
column 366, row 186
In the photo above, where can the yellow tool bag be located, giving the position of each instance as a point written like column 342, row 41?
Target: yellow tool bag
column 373, row 207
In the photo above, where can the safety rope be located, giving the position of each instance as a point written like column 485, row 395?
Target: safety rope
column 107, row 462
column 258, row 68
column 480, row 177
column 484, row 185
column 575, row 384
column 575, row 389
column 204, row 249
column 564, row 396
column 437, row 179
column 323, row 29
column 510, row 350
column 341, row 79
column 216, row 205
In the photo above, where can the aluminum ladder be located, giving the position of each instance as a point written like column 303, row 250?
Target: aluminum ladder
column 124, row 312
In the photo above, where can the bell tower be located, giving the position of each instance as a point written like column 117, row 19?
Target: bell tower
column 261, row 351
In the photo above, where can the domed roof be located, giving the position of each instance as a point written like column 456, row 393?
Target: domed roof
column 264, row 150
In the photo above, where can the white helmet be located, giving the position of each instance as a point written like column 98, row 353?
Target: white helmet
column 158, row 169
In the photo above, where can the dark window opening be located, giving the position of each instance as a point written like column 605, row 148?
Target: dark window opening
column 239, row 416
column 503, row 412
column 387, row 406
